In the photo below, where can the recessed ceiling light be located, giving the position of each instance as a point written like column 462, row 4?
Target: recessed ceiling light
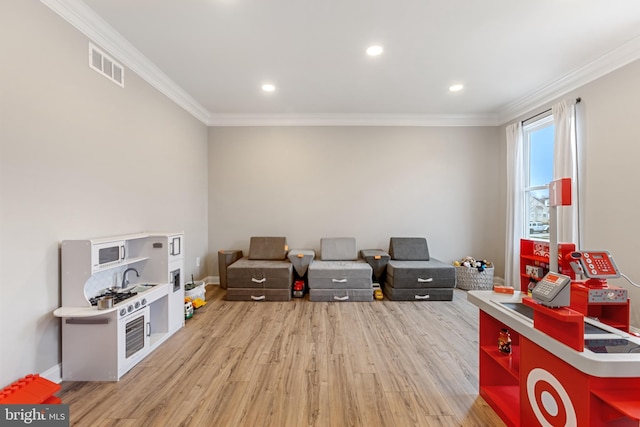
column 456, row 88
column 268, row 87
column 374, row 50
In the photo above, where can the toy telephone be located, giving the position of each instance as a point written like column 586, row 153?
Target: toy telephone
column 553, row 290
column 597, row 267
column 594, row 264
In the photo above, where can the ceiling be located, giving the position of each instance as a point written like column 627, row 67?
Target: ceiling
column 212, row 56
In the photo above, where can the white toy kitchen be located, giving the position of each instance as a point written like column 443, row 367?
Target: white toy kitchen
column 122, row 297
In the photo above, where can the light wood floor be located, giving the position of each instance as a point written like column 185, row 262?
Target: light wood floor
column 301, row 363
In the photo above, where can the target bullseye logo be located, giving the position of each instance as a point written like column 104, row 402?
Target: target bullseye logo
column 549, row 400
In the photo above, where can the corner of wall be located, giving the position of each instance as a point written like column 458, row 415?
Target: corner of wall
column 212, row 280
column 53, row 374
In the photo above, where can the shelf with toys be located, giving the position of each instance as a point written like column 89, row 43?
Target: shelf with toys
column 534, row 261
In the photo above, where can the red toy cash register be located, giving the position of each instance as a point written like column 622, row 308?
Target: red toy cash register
column 594, row 297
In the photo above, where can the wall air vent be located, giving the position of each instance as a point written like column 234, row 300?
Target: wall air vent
column 105, row 65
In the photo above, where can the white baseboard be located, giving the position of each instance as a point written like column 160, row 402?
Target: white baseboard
column 208, row 280
column 53, row 374
column 212, row 280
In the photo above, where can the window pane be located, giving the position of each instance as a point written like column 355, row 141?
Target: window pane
column 537, row 214
column 538, row 170
column 541, row 156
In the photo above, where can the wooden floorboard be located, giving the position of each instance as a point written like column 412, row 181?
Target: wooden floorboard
column 301, row 363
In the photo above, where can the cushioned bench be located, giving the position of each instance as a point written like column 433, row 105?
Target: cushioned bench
column 339, row 275
column 413, row 276
column 264, row 275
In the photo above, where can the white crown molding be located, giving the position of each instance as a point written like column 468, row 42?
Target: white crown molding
column 83, row 18
column 78, row 14
column 617, row 58
column 352, row 120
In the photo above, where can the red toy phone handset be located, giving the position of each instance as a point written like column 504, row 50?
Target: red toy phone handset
column 595, row 265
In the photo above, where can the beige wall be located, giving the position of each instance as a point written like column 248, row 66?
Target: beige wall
column 612, row 148
column 80, row 157
column 612, row 181
column 370, row 183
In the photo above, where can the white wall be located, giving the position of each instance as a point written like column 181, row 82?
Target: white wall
column 80, row 157
column 612, row 149
column 370, row 183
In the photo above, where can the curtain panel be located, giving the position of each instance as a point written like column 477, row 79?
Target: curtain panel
column 566, row 165
column 515, row 204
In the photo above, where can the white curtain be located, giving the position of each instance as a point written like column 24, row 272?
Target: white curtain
column 515, row 204
column 566, row 165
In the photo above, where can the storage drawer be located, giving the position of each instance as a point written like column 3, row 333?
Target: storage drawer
column 258, row 294
column 340, row 275
column 259, row 282
column 420, row 274
column 341, row 295
column 424, row 294
column 340, row 282
column 246, row 273
column 339, row 270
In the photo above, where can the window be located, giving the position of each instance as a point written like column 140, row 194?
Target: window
column 538, row 173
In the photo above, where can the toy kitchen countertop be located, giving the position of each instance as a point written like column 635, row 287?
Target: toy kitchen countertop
column 608, row 352
column 150, row 295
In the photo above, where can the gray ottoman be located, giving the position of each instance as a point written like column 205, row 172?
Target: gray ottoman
column 301, row 258
column 378, row 260
column 225, row 259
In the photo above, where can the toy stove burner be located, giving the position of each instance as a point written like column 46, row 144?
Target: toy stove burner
column 117, row 296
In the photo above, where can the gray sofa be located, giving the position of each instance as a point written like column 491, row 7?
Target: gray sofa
column 339, row 275
column 412, row 275
column 264, row 275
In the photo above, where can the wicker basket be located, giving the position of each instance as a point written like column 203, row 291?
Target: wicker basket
column 470, row 279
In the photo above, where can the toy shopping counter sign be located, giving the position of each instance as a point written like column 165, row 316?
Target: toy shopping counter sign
column 556, row 394
column 553, row 393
